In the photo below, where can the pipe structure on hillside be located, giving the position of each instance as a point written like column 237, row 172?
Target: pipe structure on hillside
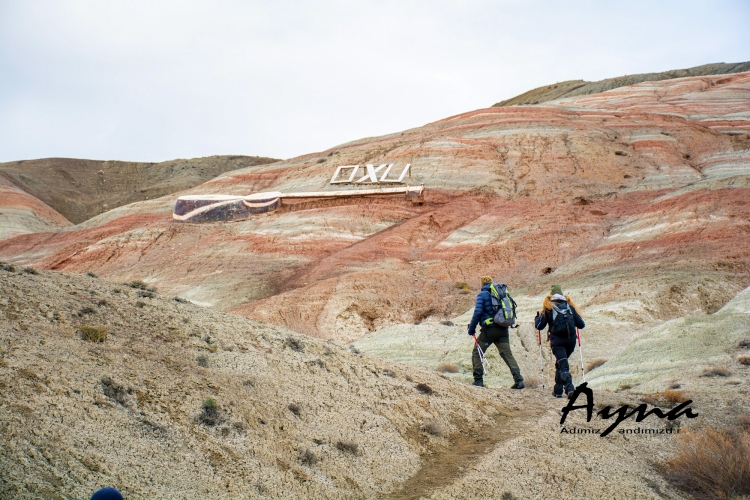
column 225, row 208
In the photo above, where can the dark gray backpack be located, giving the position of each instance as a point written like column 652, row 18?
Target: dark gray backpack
column 503, row 305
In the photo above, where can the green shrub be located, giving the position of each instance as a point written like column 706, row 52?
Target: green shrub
column 92, row 333
column 202, row 360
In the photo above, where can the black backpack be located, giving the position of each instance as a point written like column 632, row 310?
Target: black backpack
column 563, row 322
column 503, row 305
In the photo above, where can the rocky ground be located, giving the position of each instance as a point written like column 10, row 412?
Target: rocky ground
column 294, row 417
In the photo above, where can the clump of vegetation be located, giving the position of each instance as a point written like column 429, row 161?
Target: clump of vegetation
column 532, row 382
column 139, row 304
column 296, row 409
column 145, row 294
column 389, row 373
column 355, row 350
column 675, row 385
column 179, row 299
column 140, row 285
column 744, row 360
column 295, row 344
column 743, row 422
column 595, row 363
column 434, row 428
column 447, row 368
column 92, row 333
column 621, row 153
column 716, row 372
column 210, row 414
column 347, row 447
column 742, row 344
column 102, row 302
column 447, row 323
column 115, row 392
column 91, row 275
column 7, row 267
column 30, row 270
column 667, row 398
column 508, row 496
column 213, row 347
column 250, row 382
column 711, row 464
column 547, row 270
column 202, row 360
column 424, row 388
column 86, row 310
column 308, row 458
column 624, row 387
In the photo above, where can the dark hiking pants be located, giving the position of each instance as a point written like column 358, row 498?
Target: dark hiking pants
column 497, row 335
column 562, row 348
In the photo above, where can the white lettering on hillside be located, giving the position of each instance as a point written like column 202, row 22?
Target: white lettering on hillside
column 371, row 174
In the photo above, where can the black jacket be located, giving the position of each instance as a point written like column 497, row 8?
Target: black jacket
column 545, row 319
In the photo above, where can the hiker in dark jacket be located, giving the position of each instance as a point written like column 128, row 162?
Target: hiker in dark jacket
column 490, row 334
column 562, row 317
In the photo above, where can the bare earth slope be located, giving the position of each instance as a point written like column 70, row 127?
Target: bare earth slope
column 633, row 198
column 573, row 88
column 297, row 417
column 81, row 189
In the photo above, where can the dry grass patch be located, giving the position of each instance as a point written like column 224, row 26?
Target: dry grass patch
column 347, row 447
column 425, row 389
column 716, row 372
column 92, row 333
column 532, row 382
column 744, row 360
column 711, row 464
column 595, row 363
column 447, row 368
column 667, row 398
column 434, row 428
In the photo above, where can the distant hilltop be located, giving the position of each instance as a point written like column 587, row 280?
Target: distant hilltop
column 573, row 88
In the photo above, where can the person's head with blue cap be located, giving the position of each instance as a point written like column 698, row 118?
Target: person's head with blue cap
column 108, row 493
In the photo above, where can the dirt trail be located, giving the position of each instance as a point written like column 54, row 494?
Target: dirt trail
column 443, row 466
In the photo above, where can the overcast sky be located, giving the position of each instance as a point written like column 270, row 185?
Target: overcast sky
column 156, row 80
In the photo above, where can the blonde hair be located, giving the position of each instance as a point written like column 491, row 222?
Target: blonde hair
column 485, row 280
column 547, row 305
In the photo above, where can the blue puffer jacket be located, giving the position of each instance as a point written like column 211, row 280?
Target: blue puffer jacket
column 482, row 309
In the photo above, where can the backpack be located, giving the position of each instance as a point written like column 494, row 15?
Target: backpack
column 503, row 305
column 563, row 321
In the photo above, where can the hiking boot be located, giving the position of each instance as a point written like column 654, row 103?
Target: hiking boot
column 556, row 394
column 478, row 383
column 518, row 385
column 570, row 394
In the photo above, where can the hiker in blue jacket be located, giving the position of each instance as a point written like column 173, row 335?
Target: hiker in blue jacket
column 490, row 333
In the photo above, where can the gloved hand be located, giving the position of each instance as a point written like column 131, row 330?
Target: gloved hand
column 471, row 334
column 537, row 314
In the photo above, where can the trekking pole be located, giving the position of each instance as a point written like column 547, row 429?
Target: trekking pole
column 580, row 353
column 485, row 364
column 541, row 363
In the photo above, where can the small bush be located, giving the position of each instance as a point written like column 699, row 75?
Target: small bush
column 145, row 294
column 30, row 270
column 711, row 464
column 547, row 270
column 742, row 344
column 348, row 447
column 667, row 398
column 508, row 496
column 532, row 382
column 86, row 310
column 434, row 428
column 409, row 379
column 102, row 302
column 295, row 408
column 743, row 422
column 744, row 360
column 139, row 304
column 595, row 363
column 91, row 275
column 675, row 385
column 7, row 267
column 389, row 373
column 621, row 153
column 202, row 360
column 140, row 285
column 92, row 333
column 447, row 323
column 447, row 368
column 308, row 458
column 210, row 413
column 294, row 344
column 461, row 285
column 250, row 382
column 624, row 387
column 179, row 299
column 115, row 392
column 716, row 372
column 424, row 388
